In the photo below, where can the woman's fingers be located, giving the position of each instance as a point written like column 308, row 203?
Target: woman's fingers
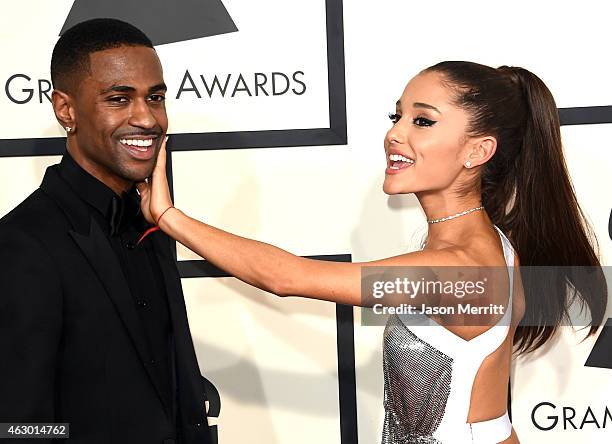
column 160, row 166
column 142, row 187
column 159, row 179
column 160, row 192
column 154, row 191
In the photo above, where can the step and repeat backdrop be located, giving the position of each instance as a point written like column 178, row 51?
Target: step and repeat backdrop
column 277, row 115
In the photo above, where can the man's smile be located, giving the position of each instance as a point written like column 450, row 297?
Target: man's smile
column 139, row 147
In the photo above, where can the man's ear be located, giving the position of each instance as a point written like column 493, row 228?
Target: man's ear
column 63, row 108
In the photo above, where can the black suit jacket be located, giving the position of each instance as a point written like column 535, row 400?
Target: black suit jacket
column 70, row 343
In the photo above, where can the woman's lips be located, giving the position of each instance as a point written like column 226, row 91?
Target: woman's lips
column 398, row 169
column 396, row 163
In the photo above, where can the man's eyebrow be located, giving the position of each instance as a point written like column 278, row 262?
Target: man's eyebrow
column 128, row 89
column 157, row 88
column 426, row 106
column 118, row 88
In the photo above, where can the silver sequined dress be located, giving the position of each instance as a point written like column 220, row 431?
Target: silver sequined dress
column 429, row 372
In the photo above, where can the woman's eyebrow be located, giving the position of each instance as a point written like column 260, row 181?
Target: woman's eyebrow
column 426, row 106
column 398, row 105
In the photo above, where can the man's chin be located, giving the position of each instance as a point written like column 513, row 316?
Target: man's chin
column 142, row 176
column 138, row 174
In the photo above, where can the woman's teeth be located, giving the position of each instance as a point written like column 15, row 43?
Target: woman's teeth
column 399, row 158
column 144, row 143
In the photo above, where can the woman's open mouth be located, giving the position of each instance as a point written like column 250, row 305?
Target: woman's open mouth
column 397, row 162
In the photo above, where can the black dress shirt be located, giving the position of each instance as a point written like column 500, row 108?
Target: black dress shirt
column 122, row 222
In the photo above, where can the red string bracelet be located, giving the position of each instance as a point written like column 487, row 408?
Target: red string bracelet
column 161, row 215
column 155, row 228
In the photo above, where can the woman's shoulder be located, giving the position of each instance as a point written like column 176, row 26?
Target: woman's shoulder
column 481, row 250
column 488, row 249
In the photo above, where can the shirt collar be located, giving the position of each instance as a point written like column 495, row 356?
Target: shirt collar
column 118, row 211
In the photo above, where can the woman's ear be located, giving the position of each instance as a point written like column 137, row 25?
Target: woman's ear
column 483, row 148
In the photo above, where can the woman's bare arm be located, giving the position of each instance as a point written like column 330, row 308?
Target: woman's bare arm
column 263, row 265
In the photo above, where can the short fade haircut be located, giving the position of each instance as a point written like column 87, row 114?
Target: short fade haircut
column 70, row 59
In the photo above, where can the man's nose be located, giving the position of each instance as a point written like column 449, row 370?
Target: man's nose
column 141, row 115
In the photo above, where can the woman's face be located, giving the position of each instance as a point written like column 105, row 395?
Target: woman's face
column 426, row 147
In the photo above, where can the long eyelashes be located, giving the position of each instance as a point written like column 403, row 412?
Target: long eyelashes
column 418, row 121
column 394, row 117
column 422, row 121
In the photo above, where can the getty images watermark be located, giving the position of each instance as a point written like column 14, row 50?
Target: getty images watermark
column 472, row 296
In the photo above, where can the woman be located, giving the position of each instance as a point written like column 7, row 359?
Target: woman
column 481, row 150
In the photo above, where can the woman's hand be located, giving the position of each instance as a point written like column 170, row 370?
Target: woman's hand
column 154, row 192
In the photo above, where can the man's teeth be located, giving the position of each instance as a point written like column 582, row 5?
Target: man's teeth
column 137, row 142
column 399, row 158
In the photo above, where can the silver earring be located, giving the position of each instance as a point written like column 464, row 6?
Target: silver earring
column 468, row 164
column 68, row 129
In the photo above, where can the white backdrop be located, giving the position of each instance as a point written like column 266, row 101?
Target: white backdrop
column 274, row 361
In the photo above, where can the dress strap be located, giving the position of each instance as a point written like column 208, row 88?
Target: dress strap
column 491, row 431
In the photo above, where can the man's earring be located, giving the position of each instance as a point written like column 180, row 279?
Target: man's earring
column 468, row 164
column 68, row 129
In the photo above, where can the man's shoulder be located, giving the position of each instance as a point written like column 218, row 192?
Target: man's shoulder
column 37, row 212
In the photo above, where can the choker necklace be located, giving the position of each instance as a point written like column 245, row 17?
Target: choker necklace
column 463, row 213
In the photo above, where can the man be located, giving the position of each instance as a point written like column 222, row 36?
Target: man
column 93, row 326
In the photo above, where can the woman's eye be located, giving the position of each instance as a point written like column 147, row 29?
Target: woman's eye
column 422, row 121
column 394, row 117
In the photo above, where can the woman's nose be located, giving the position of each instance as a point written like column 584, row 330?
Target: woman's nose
column 393, row 136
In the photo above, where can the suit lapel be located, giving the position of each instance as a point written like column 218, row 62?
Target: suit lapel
column 94, row 245
column 103, row 260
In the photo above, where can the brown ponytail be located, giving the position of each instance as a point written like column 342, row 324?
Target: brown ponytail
column 527, row 192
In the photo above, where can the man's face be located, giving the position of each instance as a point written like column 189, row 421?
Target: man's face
column 120, row 115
